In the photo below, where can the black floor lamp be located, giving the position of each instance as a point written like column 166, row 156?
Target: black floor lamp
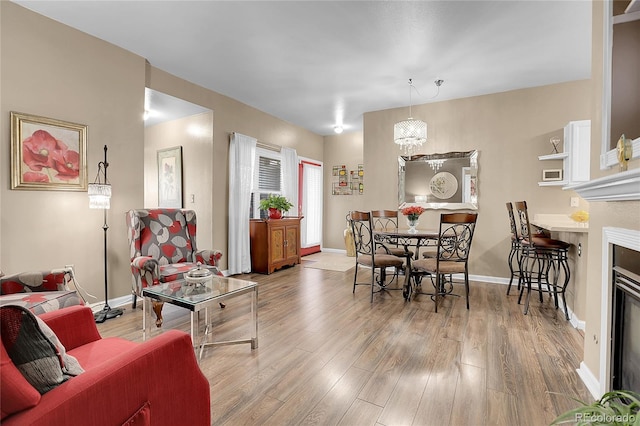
column 99, row 198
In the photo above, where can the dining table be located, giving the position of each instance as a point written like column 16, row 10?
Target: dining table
column 411, row 240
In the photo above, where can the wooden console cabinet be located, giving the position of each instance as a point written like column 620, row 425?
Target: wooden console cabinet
column 274, row 243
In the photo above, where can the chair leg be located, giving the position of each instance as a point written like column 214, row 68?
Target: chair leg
column 355, row 278
column 157, row 308
column 541, row 267
column 135, row 299
column 567, row 274
column 373, row 270
column 406, row 289
column 510, row 262
column 438, row 278
column 466, row 286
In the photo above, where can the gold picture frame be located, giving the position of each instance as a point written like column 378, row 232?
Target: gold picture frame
column 47, row 154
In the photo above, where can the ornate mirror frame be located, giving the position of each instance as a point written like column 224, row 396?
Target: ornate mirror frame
column 439, row 181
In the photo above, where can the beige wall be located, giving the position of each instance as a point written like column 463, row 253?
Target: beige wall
column 58, row 72
column 232, row 116
column 509, row 130
column 54, row 71
column 344, row 149
column 197, row 170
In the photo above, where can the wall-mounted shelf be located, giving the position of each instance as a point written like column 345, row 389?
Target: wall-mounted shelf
column 553, row 183
column 558, row 156
column 575, row 156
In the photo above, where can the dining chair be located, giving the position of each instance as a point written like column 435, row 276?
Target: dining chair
column 387, row 220
column 542, row 256
column 454, row 245
column 516, row 250
column 367, row 255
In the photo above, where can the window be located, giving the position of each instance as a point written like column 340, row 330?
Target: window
column 267, row 179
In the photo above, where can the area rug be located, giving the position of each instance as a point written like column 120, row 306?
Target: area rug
column 329, row 261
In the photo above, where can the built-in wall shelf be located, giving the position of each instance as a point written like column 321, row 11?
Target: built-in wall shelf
column 558, row 156
column 575, row 156
column 553, row 183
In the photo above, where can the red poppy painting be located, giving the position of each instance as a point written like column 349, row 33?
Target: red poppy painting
column 47, row 154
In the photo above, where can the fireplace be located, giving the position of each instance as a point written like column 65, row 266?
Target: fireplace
column 620, row 320
column 625, row 325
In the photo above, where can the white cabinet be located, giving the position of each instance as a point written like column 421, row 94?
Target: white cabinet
column 576, row 156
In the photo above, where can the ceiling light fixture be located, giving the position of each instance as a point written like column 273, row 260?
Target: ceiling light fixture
column 338, row 129
column 410, row 133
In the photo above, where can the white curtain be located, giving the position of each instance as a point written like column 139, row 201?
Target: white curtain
column 290, row 177
column 242, row 153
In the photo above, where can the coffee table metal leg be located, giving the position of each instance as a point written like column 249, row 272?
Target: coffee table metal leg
column 254, row 317
column 146, row 329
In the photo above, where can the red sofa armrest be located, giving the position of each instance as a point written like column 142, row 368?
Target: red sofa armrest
column 74, row 325
column 162, row 372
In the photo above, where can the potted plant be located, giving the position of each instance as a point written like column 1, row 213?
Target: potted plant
column 276, row 205
column 617, row 407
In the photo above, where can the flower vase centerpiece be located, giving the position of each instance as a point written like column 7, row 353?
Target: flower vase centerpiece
column 413, row 214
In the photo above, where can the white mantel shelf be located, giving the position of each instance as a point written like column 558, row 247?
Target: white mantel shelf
column 623, row 186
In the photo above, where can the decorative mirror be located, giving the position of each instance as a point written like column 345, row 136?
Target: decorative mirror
column 439, row 181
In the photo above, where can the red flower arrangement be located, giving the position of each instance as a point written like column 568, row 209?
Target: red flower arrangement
column 413, row 212
column 49, row 157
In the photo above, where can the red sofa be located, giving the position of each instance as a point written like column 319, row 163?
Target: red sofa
column 157, row 382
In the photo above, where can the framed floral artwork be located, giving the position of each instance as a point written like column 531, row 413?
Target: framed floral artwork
column 47, row 154
column 170, row 177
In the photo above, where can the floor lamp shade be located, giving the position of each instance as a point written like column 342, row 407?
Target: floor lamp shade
column 99, row 196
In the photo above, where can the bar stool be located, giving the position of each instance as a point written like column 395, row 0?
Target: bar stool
column 516, row 250
column 541, row 257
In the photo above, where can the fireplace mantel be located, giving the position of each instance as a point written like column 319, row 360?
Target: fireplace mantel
column 623, row 186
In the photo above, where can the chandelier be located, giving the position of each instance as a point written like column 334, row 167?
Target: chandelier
column 436, row 164
column 410, row 134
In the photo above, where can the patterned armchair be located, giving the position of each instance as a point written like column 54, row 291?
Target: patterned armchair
column 40, row 291
column 163, row 248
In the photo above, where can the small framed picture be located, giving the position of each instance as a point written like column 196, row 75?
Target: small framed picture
column 170, row 177
column 47, row 154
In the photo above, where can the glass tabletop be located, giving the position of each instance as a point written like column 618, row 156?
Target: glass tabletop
column 189, row 295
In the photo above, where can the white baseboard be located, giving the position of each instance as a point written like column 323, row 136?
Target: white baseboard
column 590, row 381
column 330, row 250
column 121, row 301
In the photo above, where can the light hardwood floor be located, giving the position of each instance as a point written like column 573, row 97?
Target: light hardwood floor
column 330, row 357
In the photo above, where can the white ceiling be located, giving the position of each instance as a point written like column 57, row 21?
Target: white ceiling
column 321, row 63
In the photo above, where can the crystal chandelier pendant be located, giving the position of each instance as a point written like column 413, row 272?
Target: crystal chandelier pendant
column 411, row 134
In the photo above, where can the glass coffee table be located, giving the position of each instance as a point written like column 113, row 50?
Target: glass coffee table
column 200, row 297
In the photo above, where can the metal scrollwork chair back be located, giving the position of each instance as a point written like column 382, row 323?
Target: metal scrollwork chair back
column 367, row 256
column 454, row 246
column 387, row 220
